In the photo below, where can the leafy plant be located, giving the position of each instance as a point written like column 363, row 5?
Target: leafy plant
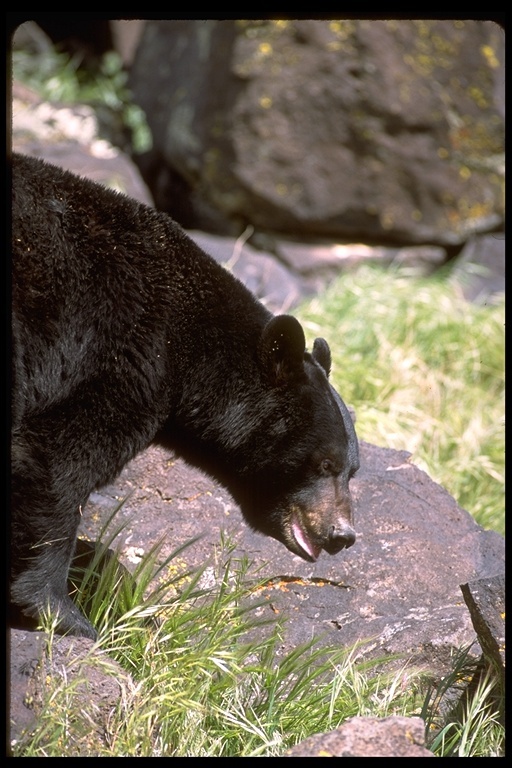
column 58, row 77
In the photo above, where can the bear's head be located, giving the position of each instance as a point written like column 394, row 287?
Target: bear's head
column 304, row 451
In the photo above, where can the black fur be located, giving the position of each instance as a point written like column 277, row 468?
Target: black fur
column 125, row 333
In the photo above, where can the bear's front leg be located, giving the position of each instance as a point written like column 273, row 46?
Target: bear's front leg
column 44, row 529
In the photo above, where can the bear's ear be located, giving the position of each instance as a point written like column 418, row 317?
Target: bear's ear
column 322, row 354
column 282, row 347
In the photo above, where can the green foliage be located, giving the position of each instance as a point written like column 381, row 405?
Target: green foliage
column 425, row 371
column 58, row 78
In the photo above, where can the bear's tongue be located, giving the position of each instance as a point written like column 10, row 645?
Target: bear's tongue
column 313, row 550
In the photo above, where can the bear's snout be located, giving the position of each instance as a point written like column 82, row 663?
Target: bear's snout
column 340, row 536
column 308, row 531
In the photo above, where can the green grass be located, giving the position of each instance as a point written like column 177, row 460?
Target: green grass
column 425, row 372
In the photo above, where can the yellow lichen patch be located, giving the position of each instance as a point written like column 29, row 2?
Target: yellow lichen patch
column 488, row 53
column 265, row 49
column 478, row 97
column 284, row 584
column 387, row 220
column 342, row 29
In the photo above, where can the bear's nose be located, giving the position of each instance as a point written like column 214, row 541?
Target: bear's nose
column 340, row 537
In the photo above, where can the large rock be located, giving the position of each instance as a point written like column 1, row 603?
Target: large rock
column 368, row 737
column 391, row 130
column 480, row 267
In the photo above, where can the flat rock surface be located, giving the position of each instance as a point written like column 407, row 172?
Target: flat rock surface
column 368, row 737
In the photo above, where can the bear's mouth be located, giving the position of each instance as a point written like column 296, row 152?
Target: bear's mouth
column 308, row 549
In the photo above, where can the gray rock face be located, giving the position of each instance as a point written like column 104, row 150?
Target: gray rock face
column 480, row 267
column 485, row 599
column 391, row 130
column 368, row 737
column 282, row 271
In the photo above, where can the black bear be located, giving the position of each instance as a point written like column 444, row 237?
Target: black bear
column 124, row 333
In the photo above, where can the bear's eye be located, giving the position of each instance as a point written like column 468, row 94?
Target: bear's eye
column 326, row 467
